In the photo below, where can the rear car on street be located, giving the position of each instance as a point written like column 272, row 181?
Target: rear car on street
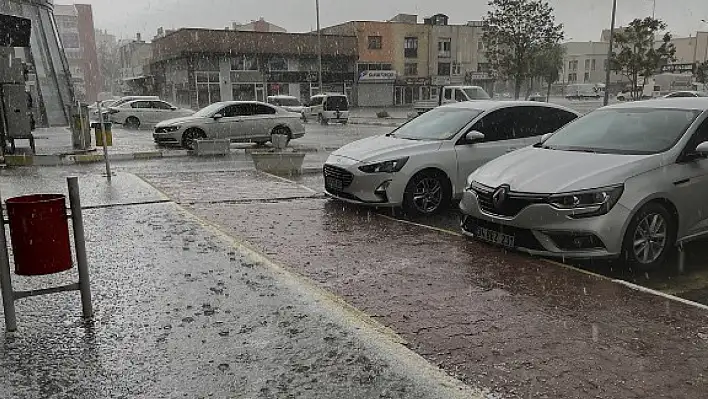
column 238, row 121
column 289, row 103
column 136, row 113
column 424, row 164
column 627, row 181
column 326, row 108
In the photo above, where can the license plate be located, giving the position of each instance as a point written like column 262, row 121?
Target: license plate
column 495, row 237
column 333, row 184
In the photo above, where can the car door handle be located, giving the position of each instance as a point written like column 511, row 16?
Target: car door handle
column 680, row 182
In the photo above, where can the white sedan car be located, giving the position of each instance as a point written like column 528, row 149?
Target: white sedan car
column 133, row 114
column 238, row 121
column 424, row 164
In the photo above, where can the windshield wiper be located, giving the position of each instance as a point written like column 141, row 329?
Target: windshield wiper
column 580, row 149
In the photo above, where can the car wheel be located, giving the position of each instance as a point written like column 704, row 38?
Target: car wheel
column 282, row 130
column 649, row 238
column 190, row 136
column 427, row 193
column 132, row 122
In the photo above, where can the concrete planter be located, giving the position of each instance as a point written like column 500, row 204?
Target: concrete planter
column 212, row 147
column 279, row 141
column 279, row 163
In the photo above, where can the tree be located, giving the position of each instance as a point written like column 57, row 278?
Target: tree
column 513, row 31
column 637, row 56
column 702, row 73
column 547, row 64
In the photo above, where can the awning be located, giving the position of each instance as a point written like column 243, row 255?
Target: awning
column 134, row 78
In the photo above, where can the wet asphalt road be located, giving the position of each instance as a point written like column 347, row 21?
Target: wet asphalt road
column 520, row 326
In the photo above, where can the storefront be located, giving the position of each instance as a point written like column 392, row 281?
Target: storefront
column 409, row 90
column 376, row 88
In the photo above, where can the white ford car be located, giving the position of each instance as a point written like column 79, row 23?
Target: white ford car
column 238, row 121
column 424, row 164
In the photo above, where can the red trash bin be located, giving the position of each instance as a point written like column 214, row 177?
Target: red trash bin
column 40, row 234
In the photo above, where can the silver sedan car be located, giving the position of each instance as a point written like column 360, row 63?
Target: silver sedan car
column 629, row 181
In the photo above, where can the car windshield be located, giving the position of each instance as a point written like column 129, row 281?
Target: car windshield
column 439, row 124
column 335, row 103
column 286, row 102
column 208, row 110
column 476, row 93
column 631, row 131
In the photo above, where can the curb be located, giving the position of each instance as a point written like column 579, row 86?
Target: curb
column 78, row 159
column 387, row 124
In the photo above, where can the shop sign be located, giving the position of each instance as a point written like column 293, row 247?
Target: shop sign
column 377, row 76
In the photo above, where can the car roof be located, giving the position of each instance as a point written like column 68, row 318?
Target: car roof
column 691, row 103
column 282, row 96
column 241, row 102
column 489, row 105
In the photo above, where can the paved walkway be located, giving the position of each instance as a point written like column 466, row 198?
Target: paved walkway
column 182, row 310
column 524, row 327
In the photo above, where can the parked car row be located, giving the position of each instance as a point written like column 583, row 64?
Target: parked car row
column 628, row 181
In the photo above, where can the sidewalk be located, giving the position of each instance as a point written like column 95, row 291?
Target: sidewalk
column 182, row 310
column 368, row 116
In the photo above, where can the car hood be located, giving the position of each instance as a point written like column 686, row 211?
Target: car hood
column 537, row 170
column 174, row 121
column 384, row 148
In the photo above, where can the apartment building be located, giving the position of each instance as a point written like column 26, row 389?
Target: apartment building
column 134, row 56
column 402, row 60
column 586, row 62
column 77, row 36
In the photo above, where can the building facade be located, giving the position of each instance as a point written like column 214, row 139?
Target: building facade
column 197, row 67
column 49, row 80
column 586, row 62
column 134, row 57
column 693, row 49
column 260, row 25
column 77, row 36
column 402, row 61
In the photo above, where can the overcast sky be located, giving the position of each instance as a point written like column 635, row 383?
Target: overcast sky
column 583, row 19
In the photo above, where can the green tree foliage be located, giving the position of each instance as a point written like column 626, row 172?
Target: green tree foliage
column 547, row 63
column 636, row 54
column 514, row 31
column 702, row 72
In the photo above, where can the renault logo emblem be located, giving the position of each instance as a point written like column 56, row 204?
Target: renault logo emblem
column 499, row 196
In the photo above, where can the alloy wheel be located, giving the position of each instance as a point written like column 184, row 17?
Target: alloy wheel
column 427, row 195
column 650, row 238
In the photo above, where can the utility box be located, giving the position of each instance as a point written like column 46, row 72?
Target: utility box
column 14, row 102
column 81, row 128
column 99, row 133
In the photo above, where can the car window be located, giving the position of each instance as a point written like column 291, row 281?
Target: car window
column 237, row 110
column 316, row 100
column 441, row 123
column 631, row 131
column 459, row 96
column 141, row 104
column 700, row 136
column 229, row 111
column 262, row 109
column 160, row 105
column 448, row 94
column 334, row 103
column 498, row 125
column 552, row 119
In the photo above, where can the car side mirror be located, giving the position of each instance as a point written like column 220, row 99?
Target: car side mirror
column 218, row 116
column 545, row 137
column 173, row 108
column 473, row 136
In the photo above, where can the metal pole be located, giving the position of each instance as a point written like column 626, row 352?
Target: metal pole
column 319, row 43
column 8, row 297
column 105, row 144
column 653, row 11
column 609, row 53
column 80, row 246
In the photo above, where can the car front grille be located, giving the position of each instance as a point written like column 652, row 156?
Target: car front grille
column 511, row 206
column 161, row 130
column 338, row 173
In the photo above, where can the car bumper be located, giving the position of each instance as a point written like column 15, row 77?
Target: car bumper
column 167, row 138
column 331, row 116
column 375, row 189
column 540, row 229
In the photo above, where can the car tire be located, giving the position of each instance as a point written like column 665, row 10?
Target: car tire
column 650, row 237
column 190, row 135
column 132, row 123
column 284, row 130
column 427, row 193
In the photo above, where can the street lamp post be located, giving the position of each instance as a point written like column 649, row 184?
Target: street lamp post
column 319, row 45
column 609, row 54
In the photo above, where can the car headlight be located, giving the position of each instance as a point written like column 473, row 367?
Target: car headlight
column 588, row 203
column 384, row 167
column 170, row 129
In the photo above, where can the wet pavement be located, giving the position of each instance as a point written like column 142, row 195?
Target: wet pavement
column 521, row 326
column 184, row 311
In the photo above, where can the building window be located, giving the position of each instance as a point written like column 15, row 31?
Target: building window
column 373, row 66
column 484, row 67
column 604, row 65
column 410, row 47
column 480, row 46
column 278, row 64
column 444, row 69
column 457, row 68
column 410, row 69
column 208, row 88
column 70, row 40
column 593, row 65
column 244, row 63
column 375, row 42
column 444, row 48
column 572, row 77
column 586, row 78
column 587, row 65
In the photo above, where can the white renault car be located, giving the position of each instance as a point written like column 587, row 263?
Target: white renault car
column 628, row 181
column 424, row 164
column 238, row 121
